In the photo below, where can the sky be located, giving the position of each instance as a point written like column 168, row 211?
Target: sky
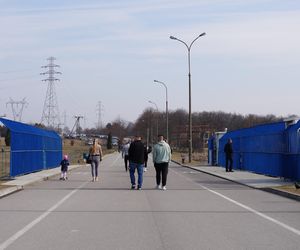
column 111, row 51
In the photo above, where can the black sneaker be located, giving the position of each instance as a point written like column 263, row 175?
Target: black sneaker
column 139, row 188
column 133, row 187
column 297, row 185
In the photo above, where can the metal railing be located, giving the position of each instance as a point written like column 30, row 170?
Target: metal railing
column 4, row 162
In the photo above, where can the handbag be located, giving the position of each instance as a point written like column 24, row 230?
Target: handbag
column 88, row 159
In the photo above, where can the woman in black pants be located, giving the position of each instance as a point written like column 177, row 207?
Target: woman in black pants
column 161, row 157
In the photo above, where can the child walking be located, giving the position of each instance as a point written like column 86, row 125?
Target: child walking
column 64, row 168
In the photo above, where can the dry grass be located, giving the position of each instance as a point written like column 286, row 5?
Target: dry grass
column 4, row 158
column 197, row 158
column 290, row 189
column 76, row 151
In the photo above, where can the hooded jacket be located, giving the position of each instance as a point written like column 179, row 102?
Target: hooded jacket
column 161, row 152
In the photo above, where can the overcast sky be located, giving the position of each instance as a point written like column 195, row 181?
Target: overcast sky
column 111, row 51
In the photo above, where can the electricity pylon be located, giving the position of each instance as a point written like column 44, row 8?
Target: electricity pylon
column 17, row 108
column 50, row 115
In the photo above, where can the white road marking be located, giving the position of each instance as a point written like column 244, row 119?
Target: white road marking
column 289, row 228
column 25, row 229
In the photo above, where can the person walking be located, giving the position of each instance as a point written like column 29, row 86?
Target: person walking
column 136, row 161
column 64, row 168
column 96, row 157
column 228, row 154
column 125, row 156
column 147, row 150
column 161, row 157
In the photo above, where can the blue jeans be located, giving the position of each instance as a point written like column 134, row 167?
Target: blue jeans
column 140, row 170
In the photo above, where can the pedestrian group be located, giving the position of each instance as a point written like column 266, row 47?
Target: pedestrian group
column 135, row 155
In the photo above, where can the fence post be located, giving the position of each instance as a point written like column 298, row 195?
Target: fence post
column 44, row 160
column 3, row 161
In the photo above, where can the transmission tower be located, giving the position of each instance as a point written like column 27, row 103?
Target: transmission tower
column 99, row 109
column 50, row 115
column 17, row 108
column 76, row 125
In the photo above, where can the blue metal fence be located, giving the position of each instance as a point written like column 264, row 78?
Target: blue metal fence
column 271, row 149
column 32, row 148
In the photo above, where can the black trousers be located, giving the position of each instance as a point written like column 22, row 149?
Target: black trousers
column 230, row 161
column 126, row 159
column 161, row 172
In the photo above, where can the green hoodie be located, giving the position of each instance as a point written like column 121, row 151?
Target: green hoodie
column 161, row 152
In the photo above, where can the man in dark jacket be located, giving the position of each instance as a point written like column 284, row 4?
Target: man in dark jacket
column 228, row 153
column 136, row 154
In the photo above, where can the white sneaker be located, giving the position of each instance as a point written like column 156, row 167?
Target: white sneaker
column 164, row 188
column 158, row 186
column 145, row 169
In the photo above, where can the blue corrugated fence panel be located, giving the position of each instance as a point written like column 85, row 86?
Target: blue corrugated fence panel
column 270, row 149
column 32, row 148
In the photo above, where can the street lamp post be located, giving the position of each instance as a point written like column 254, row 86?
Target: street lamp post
column 167, row 112
column 156, row 117
column 190, row 89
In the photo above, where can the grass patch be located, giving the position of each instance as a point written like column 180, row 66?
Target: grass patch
column 290, row 189
column 76, row 148
column 198, row 159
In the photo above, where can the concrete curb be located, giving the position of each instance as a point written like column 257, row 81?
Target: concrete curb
column 40, row 176
column 265, row 189
column 11, row 188
column 221, row 177
column 282, row 193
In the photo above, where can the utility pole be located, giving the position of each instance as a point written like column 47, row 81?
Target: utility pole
column 50, row 116
column 99, row 109
column 17, row 108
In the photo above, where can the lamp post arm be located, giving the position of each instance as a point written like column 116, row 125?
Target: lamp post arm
column 183, row 43
column 202, row 34
column 164, row 86
column 193, row 42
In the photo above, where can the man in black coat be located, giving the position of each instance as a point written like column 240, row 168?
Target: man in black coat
column 228, row 153
column 136, row 154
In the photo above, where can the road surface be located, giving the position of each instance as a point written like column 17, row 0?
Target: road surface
column 198, row 211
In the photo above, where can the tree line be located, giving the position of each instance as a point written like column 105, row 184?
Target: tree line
column 150, row 123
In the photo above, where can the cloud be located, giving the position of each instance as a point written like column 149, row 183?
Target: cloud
column 124, row 45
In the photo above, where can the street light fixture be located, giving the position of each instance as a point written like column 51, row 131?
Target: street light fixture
column 190, row 89
column 156, row 117
column 167, row 112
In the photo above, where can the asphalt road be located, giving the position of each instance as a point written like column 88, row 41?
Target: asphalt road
column 198, row 211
